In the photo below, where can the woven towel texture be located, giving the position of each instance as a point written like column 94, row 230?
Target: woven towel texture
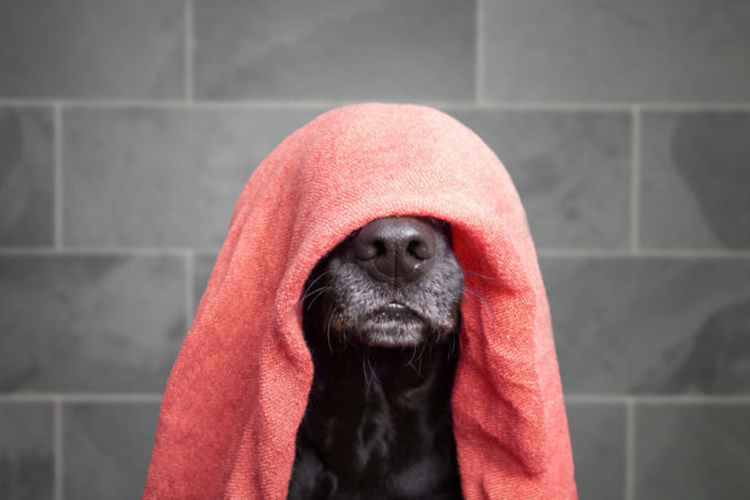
column 239, row 387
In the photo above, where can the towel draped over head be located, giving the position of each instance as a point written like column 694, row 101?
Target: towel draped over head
column 239, row 387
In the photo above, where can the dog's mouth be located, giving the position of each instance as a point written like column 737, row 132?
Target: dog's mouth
column 395, row 310
column 391, row 325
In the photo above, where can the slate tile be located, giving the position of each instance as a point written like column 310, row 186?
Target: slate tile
column 333, row 49
column 651, row 325
column 137, row 177
column 572, row 170
column 89, row 322
column 204, row 265
column 692, row 452
column 597, row 433
column 92, row 49
column 637, row 51
column 107, row 449
column 26, row 177
column 695, row 180
column 26, row 451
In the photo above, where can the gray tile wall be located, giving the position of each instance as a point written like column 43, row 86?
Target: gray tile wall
column 127, row 129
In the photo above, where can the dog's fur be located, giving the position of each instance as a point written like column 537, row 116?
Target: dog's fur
column 378, row 420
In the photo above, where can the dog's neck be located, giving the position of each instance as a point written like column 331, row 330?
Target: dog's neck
column 358, row 374
column 384, row 404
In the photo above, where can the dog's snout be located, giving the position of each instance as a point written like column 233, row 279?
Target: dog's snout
column 396, row 249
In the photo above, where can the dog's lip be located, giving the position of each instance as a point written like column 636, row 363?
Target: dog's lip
column 394, row 306
column 396, row 309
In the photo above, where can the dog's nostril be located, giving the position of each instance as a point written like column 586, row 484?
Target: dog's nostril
column 367, row 249
column 419, row 249
column 395, row 249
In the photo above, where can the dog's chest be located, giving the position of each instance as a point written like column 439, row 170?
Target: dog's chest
column 383, row 432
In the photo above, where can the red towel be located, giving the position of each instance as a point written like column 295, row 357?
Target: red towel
column 239, row 387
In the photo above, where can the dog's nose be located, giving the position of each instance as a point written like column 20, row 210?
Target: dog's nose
column 396, row 249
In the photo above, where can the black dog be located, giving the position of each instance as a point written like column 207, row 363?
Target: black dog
column 381, row 319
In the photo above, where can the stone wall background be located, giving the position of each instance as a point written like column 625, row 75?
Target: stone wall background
column 127, row 130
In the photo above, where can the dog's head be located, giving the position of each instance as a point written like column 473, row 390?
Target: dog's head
column 393, row 283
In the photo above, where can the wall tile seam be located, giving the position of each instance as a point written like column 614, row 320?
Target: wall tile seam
column 189, row 55
column 658, row 399
column 542, row 252
column 570, row 399
column 59, row 449
column 479, row 52
column 630, row 440
column 635, row 167
column 189, row 293
column 81, row 397
column 292, row 104
column 676, row 254
column 181, row 252
column 57, row 165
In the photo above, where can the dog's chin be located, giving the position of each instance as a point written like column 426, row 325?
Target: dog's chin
column 385, row 334
column 391, row 326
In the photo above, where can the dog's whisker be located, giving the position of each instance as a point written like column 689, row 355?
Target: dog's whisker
column 309, row 287
column 484, row 276
column 452, row 342
column 319, row 292
column 485, row 306
column 311, row 291
column 476, row 294
column 318, row 278
column 328, row 330
column 417, row 358
column 413, row 355
column 347, row 338
column 373, row 373
column 368, row 371
column 364, row 374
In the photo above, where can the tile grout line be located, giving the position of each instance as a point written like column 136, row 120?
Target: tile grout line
column 659, row 399
column 189, row 52
column 80, row 398
column 58, row 176
column 641, row 254
column 690, row 399
column 308, row 104
column 311, row 104
column 597, row 399
column 604, row 399
column 118, row 251
column 564, row 253
column 59, row 456
column 189, row 280
column 479, row 53
column 635, row 194
column 630, row 450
